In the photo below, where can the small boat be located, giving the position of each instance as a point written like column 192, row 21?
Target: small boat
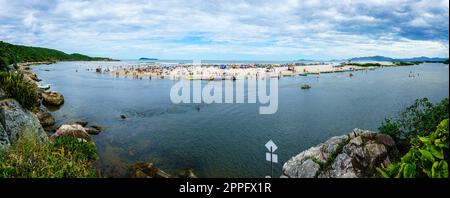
column 44, row 87
column 350, row 75
column 304, row 74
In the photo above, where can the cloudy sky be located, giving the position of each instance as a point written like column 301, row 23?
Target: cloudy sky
column 231, row 29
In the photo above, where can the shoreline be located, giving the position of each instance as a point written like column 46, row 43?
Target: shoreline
column 224, row 72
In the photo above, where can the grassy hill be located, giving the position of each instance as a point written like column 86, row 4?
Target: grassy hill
column 10, row 54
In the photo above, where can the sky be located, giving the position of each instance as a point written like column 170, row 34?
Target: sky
column 230, row 29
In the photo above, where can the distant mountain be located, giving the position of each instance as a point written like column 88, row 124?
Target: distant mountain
column 422, row 59
column 10, row 54
column 372, row 58
column 147, row 59
column 383, row 58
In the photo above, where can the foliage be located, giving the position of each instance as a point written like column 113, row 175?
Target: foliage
column 16, row 87
column 17, row 53
column 365, row 64
column 406, row 63
column 427, row 157
column 421, row 118
column 31, row 157
column 4, row 62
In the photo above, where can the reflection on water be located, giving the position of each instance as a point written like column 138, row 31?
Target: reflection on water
column 227, row 140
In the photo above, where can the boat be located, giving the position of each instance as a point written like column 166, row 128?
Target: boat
column 303, row 74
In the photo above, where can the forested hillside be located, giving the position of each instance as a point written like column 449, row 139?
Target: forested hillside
column 10, row 54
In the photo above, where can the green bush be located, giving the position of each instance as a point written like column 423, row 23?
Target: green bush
column 427, row 157
column 419, row 119
column 16, row 87
column 64, row 158
column 4, row 62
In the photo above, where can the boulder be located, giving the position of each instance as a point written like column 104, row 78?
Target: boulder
column 73, row 130
column 15, row 121
column 45, row 117
column 53, row 98
column 356, row 154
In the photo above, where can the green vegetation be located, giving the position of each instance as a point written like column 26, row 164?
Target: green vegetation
column 365, row 64
column 16, row 87
column 427, row 157
column 30, row 157
column 11, row 54
column 407, row 63
column 419, row 119
column 446, row 62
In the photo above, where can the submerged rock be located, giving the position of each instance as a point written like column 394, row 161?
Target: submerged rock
column 186, row 173
column 73, row 130
column 147, row 170
column 354, row 155
column 98, row 127
column 45, row 117
column 82, row 123
column 15, row 121
column 53, row 98
column 92, row 131
column 306, row 86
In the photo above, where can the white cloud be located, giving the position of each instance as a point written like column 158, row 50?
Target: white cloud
column 286, row 29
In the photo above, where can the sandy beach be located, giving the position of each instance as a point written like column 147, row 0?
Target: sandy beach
column 227, row 72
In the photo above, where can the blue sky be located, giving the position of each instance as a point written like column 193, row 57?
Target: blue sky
column 231, row 29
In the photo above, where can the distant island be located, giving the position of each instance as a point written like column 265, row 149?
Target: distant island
column 147, row 59
column 12, row 54
column 388, row 59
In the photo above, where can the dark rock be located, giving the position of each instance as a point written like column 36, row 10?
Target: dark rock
column 45, row 117
column 123, row 116
column 98, row 127
column 306, row 86
column 147, row 170
column 385, row 140
column 82, row 123
column 186, row 173
column 92, row 130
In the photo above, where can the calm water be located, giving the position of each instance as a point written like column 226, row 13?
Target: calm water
column 227, row 140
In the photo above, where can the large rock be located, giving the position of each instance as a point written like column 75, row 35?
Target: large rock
column 354, row 155
column 53, row 98
column 72, row 130
column 15, row 121
column 45, row 117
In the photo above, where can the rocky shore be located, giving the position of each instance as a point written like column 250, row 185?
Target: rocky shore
column 355, row 155
column 16, row 120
